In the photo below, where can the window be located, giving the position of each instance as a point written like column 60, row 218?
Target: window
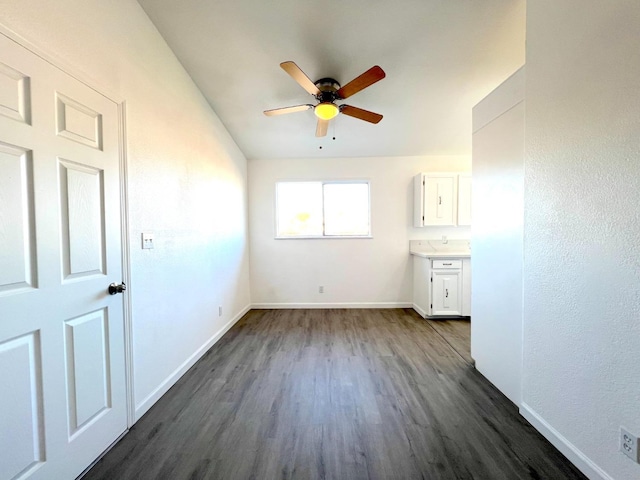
column 322, row 209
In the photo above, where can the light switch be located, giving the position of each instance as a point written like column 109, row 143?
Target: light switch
column 147, row 240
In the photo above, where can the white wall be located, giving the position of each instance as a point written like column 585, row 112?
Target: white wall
column 582, row 229
column 354, row 272
column 497, row 235
column 187, row 180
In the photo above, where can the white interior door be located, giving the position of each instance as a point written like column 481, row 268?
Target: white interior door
column 62, row 367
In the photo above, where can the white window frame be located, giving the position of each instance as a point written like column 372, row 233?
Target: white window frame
column 323, row 236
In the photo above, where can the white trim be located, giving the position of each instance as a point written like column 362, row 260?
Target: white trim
column 274, row 306
column 126, row 264
column 569, row 450
column 61, row 64
column 504, row 97
column 420, row 311
column 154, row 396
column 326, row 237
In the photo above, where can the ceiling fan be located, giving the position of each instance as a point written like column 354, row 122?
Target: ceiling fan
column 327, row 91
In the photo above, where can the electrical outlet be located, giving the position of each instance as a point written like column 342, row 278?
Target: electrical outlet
column 629, row 445
column 321, row 289
column 147, row 240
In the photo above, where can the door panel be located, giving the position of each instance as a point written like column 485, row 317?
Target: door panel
column 78, row 122
column 21, row 411
column 82, row 219
column 17, row 255
column 61, row 334
column 15, row 93
column 89, row 382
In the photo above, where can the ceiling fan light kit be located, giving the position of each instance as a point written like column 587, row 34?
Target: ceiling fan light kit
column 327, row 91
column 326, row 110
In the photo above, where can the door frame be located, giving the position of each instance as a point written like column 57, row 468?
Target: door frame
column 52, row 58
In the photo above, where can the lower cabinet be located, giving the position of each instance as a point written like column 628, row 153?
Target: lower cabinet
column 442, row 286
column 445, row 292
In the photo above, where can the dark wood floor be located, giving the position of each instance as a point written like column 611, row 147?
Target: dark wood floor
column 334, row 394
column 457, row 333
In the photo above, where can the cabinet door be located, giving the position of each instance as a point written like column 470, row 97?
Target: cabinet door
column 418, row 200
column 464, row 199
column 466, row 287
column 440, row 199
column 446, row 289
column 421, row 285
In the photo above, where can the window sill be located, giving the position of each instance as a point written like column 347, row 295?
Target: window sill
column 327, row 237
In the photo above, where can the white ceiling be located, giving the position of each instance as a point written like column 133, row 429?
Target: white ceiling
column 440, row 56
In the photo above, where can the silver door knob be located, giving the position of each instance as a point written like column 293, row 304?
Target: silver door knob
column 116, row 288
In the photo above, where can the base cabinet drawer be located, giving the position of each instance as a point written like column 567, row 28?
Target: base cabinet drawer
column 446, row 264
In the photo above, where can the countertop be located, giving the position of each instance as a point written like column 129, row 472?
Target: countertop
column 438, row 248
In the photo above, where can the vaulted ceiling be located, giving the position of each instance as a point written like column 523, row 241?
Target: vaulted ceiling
column 440, row 57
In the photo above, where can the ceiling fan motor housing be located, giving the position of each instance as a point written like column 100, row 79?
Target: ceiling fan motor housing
column 328, row 88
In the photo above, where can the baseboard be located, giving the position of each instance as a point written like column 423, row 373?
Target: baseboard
column 270, row 306
column 420, row 311
column 569, row 450
column 154, row 396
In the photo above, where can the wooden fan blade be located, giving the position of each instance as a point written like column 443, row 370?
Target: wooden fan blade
column 371, row 76
column 356, row 112
column 321, row 129
column 299, row 76
column 281, row 111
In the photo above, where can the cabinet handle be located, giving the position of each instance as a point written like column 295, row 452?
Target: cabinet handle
column 446, row 264
column 446, row 293
column 439, row 200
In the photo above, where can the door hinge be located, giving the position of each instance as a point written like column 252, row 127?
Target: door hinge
column 431, row 279
column 423, row 182
column 432, row 305
column 423, row 218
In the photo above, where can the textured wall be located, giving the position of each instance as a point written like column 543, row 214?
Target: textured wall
column 582, row 225
column 364, row 271
column 187, row 179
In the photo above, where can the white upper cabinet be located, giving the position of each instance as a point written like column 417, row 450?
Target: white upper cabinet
column 438, row 199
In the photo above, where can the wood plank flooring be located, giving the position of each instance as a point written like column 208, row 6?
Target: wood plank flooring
column 334, row 394
column 457, row 333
